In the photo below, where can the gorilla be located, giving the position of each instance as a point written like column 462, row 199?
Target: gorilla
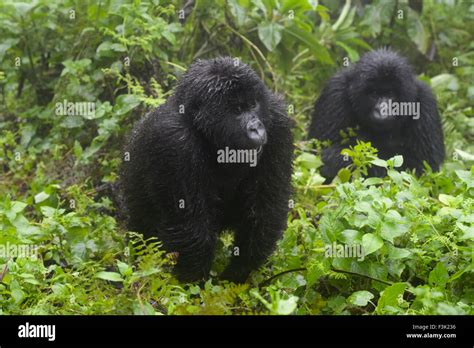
column 216, row 156
column 381, row 98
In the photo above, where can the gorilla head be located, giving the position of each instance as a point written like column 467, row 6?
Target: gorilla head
column 226, row 101
column 380, row 77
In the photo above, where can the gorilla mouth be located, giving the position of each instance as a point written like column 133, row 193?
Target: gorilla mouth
column 256, row 133
column 258, row 140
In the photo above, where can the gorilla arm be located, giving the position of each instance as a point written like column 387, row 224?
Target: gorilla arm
column 184, row 219
column 264, row 200
column 332, row 113
column 424, row 136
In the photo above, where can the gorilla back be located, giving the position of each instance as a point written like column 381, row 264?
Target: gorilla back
column 216, row 155
column 381, row 98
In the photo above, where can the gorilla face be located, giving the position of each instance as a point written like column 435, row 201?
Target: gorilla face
column 378, row 94
column 236, row 119
column 381, row 78
column 243, row 125
column 227, row 102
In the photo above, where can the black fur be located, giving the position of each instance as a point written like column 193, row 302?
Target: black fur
column 173, row 157
column 347, row 101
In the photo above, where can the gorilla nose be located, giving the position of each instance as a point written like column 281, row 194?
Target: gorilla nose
column 256, row 132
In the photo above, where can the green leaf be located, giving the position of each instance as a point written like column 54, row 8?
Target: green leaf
column 270, row 34
column 309, row 40
column 351, row 236
column 77, row 150
column 124, row 268
column 41, row 197
column 22, row 8
column 373, row 181
column 371, row 243
column 398, row 253
column 378, row 270
column 50, row 211
column 308, row 160
column 342, row 16
column 447, row 200
column 393, row 226
column 444, row 81
column 18, row 207
column 397, row 161
column 468, row 232
column 360, row 298
column 104, row 48
column 379, row 162
column 416, row 31
column 259, row 4
column 466, row 156
column 75, row 67
column 194, row 289
column 313, row 274
column 27, row 133
column 395, row 176
column 344, row 175
column 72, row 122
column 6, row 45
column 108, row 48
column 352, row 53
column 124, row 103
column 118, row 47
column 297, row 6
column 286, row 307
column 143, row 308
column 390, row 296
column 238, row 12
column 112, row 276
column 439, row 275
column 466, row 176
column 17, row 294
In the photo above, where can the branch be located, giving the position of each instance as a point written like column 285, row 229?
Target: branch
column 361, row 275
column 266, row 282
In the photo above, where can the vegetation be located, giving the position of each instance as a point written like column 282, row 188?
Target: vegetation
column 124, row 57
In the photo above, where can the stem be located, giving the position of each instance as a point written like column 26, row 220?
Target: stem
column 361, row 275
column 4, row 272
column 252, row 45
column 266, row 282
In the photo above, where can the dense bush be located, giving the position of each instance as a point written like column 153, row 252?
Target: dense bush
column 124, row 57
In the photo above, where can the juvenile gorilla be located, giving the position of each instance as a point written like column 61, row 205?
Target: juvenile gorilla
column 374, row 96
column 182, row 184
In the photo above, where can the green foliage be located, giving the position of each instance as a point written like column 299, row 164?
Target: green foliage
column 63, row 249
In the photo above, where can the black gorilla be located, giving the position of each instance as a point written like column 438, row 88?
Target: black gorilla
column 182, row 184
column 370, row 96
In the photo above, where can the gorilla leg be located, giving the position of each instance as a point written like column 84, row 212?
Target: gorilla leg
column 195, row 243
column 255, row 239
column 263, row 220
